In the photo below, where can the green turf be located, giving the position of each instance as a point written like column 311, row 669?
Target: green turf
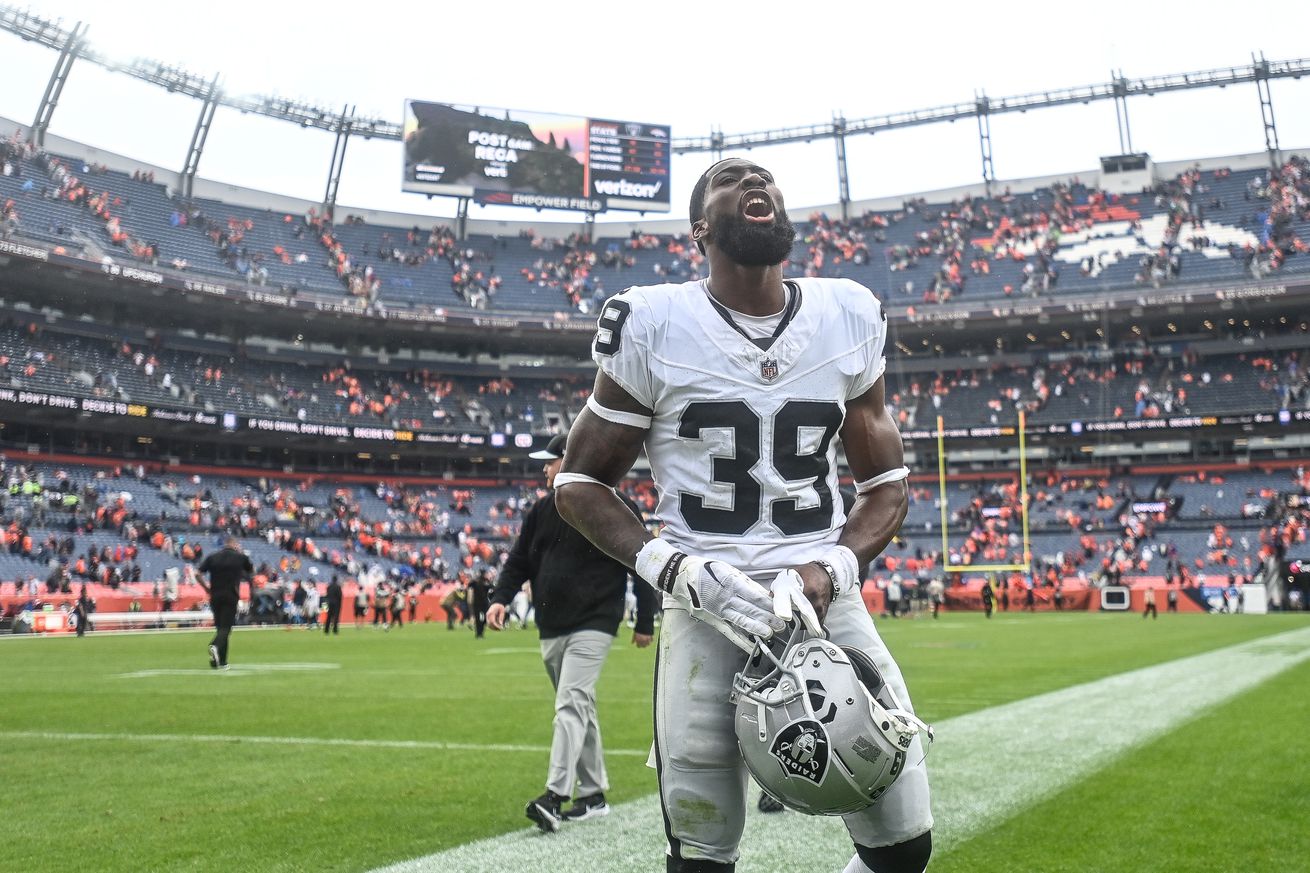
column 1228, row 791
column 129, row 805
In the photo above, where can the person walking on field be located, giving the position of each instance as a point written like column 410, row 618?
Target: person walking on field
column 578, row 594
column 226, row 569
column 936, row 591
column 381, row 602
column 1149, row 598
column 397, row 606
column 82, row 612
column 739, row 387
column 361, row 604
column 450, row 604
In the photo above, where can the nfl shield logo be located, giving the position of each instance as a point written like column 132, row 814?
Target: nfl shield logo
column 768, row 369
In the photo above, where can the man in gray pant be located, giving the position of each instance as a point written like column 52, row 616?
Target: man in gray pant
column 578, row 593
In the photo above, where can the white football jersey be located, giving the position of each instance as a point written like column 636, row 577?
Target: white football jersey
column 742, row 445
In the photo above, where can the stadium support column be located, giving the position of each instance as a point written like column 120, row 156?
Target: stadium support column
column 843, row 180
column 983, row 110
column 198, row 137
column 1261, row 68
column 461, row 218
column 716, row 144
column 345, row 124
column 50, row 99
column 1121, row 113
column 589, row 226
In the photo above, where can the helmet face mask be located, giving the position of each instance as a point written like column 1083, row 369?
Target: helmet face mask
column 818, row 727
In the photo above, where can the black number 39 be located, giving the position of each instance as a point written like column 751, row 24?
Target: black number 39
column 733, row 465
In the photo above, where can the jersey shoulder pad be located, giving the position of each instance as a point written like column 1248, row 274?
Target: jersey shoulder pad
column 621, row 345
column 858, row 300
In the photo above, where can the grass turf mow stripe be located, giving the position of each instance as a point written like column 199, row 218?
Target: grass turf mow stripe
column 985, row 767
column 296, row 741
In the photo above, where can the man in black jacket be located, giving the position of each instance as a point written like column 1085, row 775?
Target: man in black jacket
column 333, row 624
column 226, row 569
column 578, row 594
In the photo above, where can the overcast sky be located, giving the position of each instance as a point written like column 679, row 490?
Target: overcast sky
column 738, row 66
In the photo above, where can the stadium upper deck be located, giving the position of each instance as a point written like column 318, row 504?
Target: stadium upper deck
column 1061, row 240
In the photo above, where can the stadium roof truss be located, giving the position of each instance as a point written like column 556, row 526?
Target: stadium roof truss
column 72, row 44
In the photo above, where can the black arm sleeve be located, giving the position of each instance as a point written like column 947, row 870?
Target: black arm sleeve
column 518, row 568
column 648, row 601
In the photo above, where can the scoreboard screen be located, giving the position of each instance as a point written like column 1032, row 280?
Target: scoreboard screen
column 518, row 158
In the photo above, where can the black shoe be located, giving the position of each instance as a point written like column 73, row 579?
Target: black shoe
column 768, row 804
column 591, row 806
column 545, row 811
column 213, row 656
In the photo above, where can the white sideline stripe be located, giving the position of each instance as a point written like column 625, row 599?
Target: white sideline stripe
column 233, row 670
column 985, row 767
column 433, row 745
column 142, row 632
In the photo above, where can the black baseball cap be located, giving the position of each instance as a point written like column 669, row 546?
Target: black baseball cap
column 553, row 450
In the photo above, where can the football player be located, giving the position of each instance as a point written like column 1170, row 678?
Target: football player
column 739, row 387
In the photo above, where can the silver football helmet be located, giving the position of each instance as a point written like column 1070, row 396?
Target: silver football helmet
column 818, row 727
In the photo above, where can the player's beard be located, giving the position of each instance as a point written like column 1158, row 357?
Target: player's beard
column 754, row 245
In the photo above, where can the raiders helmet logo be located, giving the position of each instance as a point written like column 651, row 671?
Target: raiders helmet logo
column 768, row 369
column 802, row 749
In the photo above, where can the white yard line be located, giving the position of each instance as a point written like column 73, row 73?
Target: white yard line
column 985, row 767
column 233, row 670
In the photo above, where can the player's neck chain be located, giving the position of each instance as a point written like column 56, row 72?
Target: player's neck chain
column 788, row 312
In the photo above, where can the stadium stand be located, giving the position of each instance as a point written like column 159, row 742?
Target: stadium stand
column 1067, row 239
column 130, row 526
column 214, row 377
column 137, row 528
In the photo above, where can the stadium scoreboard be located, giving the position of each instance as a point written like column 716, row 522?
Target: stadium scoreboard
column 519, row 158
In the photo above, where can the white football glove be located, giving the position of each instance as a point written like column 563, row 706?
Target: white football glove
column 789, row 599
column 716, row 593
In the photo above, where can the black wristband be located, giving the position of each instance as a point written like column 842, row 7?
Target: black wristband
column 670, row 572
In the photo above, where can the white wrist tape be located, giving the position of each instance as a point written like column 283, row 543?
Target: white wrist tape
column 653, row 558
column 846, row 566
column 895, row 475
column 571, row 478
column 631, row 419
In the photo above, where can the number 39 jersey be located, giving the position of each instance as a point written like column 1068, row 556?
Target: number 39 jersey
column 742, row 441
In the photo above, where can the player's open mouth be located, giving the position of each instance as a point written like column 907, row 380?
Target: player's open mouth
column 757, row 207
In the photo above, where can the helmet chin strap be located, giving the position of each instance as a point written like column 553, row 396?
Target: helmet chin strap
column 914, row 725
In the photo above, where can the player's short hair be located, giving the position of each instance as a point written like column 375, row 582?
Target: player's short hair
column 696, row 209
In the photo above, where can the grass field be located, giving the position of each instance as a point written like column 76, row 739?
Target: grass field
column 1065, row 742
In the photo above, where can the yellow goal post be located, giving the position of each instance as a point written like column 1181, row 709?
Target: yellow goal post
column 1026, row 565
